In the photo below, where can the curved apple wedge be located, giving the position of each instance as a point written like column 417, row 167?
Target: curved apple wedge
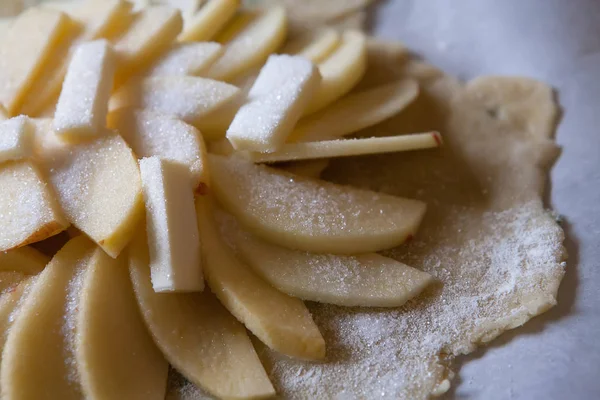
column 40, row 336
column 281, row 322
column 197, row 335
column 368, row 280
column 312, row 215
column 116, row 357
column 25, row 259
column 315, row 46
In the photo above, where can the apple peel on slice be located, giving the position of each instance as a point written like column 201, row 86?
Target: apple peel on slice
column 312, row 215
column 198, row 336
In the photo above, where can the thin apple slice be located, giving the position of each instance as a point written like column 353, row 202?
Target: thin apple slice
column 187, row 59
column 281, row 322
column 198, row 336
column 251, row 47
column 367, row 280
column 282, row 90
column 29, row 211
column 188, row 98
column 16, row 139
column 23, row 259
column 25, row 50
column 348, row 147
column 206, row 22
column 172, row 230
column 356, row 111
column 30, row 356
column 98, row 185
column 310, row 169
column 315, row 47
column 83, row 103
column 10, row 279
column 152, row 134
column 312, row 215
column 3, row 113
column 116, row 357
column 341, row 71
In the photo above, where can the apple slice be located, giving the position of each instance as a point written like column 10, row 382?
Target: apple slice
column 198, row 336
column 98, row 185
column 282, row 90
column 16, row 139
column 251, row 47
column 188, row 98
column 367, row 280
column 3, row 113
column 29, row 211
column 187, row 59
column 152, row 134
column 341, row 71
column 310, row 168
column 221, row 147
column 315, row 47
column 25, row 259
column 312, row 215
column 206, row 22
column 281, row 322
column 83, row 102
column 172, row 231
column 9, row 280
column 116, row 357
column 25, row 50
column 348, row 147
column 45, row 309
column 356, row 111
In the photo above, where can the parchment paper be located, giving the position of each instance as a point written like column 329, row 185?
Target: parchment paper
column 557, row 355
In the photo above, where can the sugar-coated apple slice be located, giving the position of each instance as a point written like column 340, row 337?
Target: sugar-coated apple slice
column 153, row 134
column 115, row 355
column 9, row 279
column 312, row 215
column 30, row 212
column 187, row 59
column 367, row 280
column 348, row 147
column 98, row 186
column 315, row 47
column 198, row 336
column 356, row 111
column 23, row 259
column 281, row 322
column 25, row 50
column 39, row 344
column 276, row 101
column 341, row 71
column 251, row 47
column 208, row 20
column 83, row 103
column 309, row 168
column 186, row 97
column 16, row 138
column 171, row 227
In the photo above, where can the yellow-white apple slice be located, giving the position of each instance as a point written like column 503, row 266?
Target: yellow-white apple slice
column 153, row 134
column 367, row 280
column 356, row 111
column 115, row 356
column 25, row 50
column 315, row 46
column 310, row 168
column 151, row 33
column 16, row 139
column 23, row 259
column 281, row 322
column 221, row 147
column 198, row 336
column 341, row 71
column 93, row 19
column 187, row 59
column 83, row 103
column 312, row 215
column 30, row 212
column 3, row 113
column 208, row 20
column 348, row 147
column 186, row 97
column 10, row 279
column 172, row 232
column 43, row 330
column 251, row 47
column 282, row 90
column 98, row 186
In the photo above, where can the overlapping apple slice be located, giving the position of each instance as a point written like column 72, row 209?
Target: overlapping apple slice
column 309, row 168
column 198, row 336
column 312, row 215
column 281, row 322
column 115, row 356
column 187, row 59
column 208, row 20
column 26, row 260
column 315, row 47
